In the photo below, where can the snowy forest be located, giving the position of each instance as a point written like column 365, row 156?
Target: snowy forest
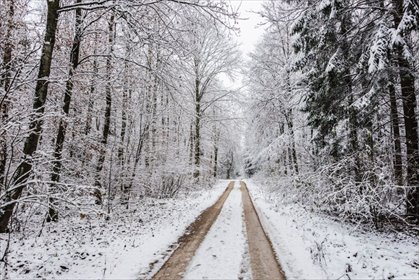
column 123, row 120
column 334, row 107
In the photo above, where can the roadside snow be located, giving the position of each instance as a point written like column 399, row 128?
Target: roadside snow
column 92, row 248
column 221, row 254
column 316, row 247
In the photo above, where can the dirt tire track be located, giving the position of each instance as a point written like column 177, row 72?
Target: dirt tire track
column 263, row 260
column 175, row 267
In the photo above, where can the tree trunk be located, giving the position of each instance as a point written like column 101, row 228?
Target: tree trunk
column 155, row 98
column 293, row 149
column 149, row 111
column 41, row 91
column 353, row 137
column 285, row 161
column 107, row 119
column 153, row 129
column 407, row 83
column 397, row 160
column 346, row 24
column 59, row 142
column 216, row 141
column 290, row 161
column 230, row 164
column 140, row 145
column 197, row 136
column 215, row 160
column 5, row 82
column 123, row 127
column 90, row 104
column 191, row 144
column 121, row 148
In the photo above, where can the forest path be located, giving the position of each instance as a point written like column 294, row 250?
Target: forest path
column 226, row 241
column 263, row 261
column 176, row 265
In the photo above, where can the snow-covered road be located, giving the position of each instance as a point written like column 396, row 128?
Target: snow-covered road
column 222, row 252
column 137, row 243
column 306, row 244
column 235, row 245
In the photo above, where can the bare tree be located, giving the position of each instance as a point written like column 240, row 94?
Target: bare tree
column 41, row 91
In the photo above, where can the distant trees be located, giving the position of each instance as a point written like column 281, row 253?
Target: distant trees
column 275, row 100
column 109, row 116
column 355, row 100
column 213, row 54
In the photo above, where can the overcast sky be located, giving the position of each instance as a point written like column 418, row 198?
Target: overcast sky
column 250, row 33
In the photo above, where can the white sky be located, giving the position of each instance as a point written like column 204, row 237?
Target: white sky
column 249, row 32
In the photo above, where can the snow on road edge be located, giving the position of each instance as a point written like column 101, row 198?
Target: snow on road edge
column 137, row 261
column 311, row 246
column 220, row 254
column 92, row 248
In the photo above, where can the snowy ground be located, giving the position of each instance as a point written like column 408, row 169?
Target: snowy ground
column 308, row 245
column 92, row 248
column 312, row 246
column 223, row 254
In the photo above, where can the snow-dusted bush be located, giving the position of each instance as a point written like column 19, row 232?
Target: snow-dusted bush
column 375, row 200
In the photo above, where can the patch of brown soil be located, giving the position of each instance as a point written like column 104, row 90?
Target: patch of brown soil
column 175, row 267
column 263, row 261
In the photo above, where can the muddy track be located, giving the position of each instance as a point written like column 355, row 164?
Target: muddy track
column 175, row 267
column 263, row 262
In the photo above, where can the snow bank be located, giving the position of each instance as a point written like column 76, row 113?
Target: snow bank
column 92, row 248
column 312, row 246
